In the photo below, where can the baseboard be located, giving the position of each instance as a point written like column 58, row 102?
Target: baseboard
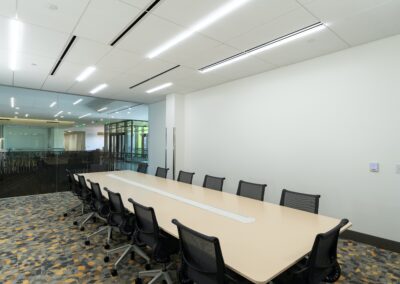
column 371, row 240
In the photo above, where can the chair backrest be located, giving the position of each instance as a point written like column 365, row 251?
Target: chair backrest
column 115, row 201
column 85, row 190
column 142, row 168
column 202, row 260
column 96, row 190
column 323, row 256
column 161, row 172
column 301, row 201
column 185, row 177
column 251, row 190
column 213, row 182
column 147, row 229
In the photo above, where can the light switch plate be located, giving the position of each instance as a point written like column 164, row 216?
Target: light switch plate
column 374, row 167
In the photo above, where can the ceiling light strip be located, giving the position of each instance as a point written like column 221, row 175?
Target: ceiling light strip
column 155, row 76
column 77, row 101
column 216, row 15
column 85, row 115
column 69, row 45
column 15, row 34
column 265, row 46
column 158, row 88
column 85, row 73
column 134, row 22
column 98, row 88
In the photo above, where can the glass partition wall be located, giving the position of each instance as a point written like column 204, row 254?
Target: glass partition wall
column 44, row 133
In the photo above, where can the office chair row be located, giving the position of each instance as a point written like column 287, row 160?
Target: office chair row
column 296, row 200
column 196, row 266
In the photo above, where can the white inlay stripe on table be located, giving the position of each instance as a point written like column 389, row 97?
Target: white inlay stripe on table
column 228, row 214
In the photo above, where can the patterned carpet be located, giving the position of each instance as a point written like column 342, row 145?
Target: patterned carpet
column 39, row 246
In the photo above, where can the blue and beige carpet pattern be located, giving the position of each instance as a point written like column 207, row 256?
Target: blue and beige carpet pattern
column 37, row 245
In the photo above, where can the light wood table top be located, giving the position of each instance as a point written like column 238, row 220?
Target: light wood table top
column 259, row 240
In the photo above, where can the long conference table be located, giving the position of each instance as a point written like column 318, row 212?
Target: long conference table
column 259, row 240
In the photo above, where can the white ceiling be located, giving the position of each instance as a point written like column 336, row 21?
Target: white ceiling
column 48, row 26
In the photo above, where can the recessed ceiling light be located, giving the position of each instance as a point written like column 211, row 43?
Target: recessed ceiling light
column 269, row 45
column 27, row 115
column 86, row 73
column 77, row 101
column 163, row 86
column 53, row 104
column 58, row 113
column 102, row 109
column 85, row 115
column 15, row 34
column 17, row 108
column 12, row 102
column 98, row 88
column 202, row 24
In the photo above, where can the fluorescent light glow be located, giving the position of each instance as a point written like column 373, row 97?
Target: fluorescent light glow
column 77, row 102
column 85, row 115
column 17, row 108
column 272, row 44
column 98, row 88
column 12, row 102
column 16, row 112
column 58, row 113
column 102, row 109
column 53, row 104
column 163, row 86
column 27, row 115
column 202, row 24
column 86, row 73
column 15, row 34
column 69, row 112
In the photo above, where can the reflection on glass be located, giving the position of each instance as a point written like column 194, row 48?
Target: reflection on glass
column 44, row 133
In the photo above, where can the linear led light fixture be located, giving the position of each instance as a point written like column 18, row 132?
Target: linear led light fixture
column 102, row 109
column 15, row 33
column 77, row 101
column 266, row 46
column 58, row 113
column 98, row 88
column 12, row 102
column 155, row 89
column 86, row 73
column 85, row 115
column 53, row 104
column 221, row 12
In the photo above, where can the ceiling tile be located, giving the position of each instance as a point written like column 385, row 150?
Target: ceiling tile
column 8, row 8
column 281, row 26
column 149, row 33
column 373, row 24
column 64, row 78
column 249, row 16
column 314, row 45
column 138, row 3
column 86, row 52
column 147, row 68
column 104, row 20
column 6, row 74
column 59, row 15
column 119, row 60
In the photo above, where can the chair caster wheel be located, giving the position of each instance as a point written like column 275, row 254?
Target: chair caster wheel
column 132, row 255
column 107, row 246
column 87, row 243
column 138, row 281
column 82, row 228
column 65, row 214
column 114, row 272
column 75, row 223
column 106, row 259
column 147, row 266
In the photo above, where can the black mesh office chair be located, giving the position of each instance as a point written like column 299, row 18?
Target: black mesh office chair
column 213, row 182
column 102, row 209
column 162, row 245
column 122, row 220
column 86, row 197
column 301, row 201
column 321, row 265
column 74, row 188
column 142, row 168
column 185, row 177
column 251, row 190
column 202, row 260
column 162, row 172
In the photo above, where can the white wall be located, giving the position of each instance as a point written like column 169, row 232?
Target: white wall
column 156, row 148
column 311, row 127
column 93, row 140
